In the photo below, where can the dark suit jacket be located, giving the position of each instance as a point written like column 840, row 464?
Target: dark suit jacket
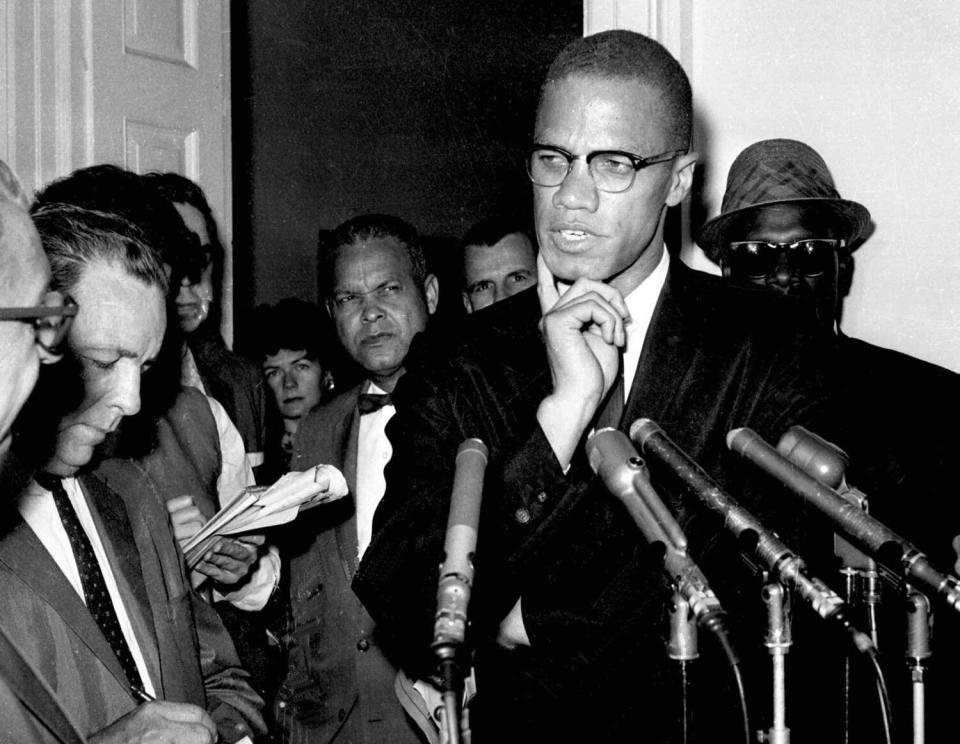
column 235, row 382
column 51, row 624
column 340, row 685
column 592, row 596
column 29, row 711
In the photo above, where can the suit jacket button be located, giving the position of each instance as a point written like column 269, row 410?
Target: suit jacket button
column 342, row 714
column 522, row 515
column 542, row 496
column 363, row 644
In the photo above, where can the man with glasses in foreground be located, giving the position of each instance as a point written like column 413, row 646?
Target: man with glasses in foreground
column 569, row 608
column 92, row 587
column 33, row 322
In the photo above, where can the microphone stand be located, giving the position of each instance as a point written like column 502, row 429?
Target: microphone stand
column 682, row 647
column 778, row 639
column 827, row 463
column 917, row 652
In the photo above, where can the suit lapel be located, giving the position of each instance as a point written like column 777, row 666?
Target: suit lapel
column 24, row 554
column 667, row 353
column 346, row 531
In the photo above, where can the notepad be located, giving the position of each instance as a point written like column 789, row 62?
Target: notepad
column 258, row 507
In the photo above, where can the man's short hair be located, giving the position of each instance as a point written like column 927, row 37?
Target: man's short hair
column 292, row 324
column 367, row 227
column 631, row 56
column 490, row 231
column 74, row 237
column 108, row 188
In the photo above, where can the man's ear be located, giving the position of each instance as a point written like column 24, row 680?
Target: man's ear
column 466, row 302
column 431, row 290
column 681, row 178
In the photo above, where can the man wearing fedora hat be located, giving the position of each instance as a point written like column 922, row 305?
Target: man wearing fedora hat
column 784, row 226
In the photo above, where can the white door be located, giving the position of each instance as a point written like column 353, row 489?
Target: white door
column 143, row 84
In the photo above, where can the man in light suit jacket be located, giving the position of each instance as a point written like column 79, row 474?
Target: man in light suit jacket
column 29, row 710
column 92, row 586
column 340, row 685
column 569, row 609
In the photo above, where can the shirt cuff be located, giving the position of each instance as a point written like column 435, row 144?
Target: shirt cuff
column 255, row 593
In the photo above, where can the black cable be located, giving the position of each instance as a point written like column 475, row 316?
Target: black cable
column 738, row 676
column 883, row 696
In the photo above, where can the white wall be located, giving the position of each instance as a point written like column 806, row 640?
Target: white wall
column 874, row 87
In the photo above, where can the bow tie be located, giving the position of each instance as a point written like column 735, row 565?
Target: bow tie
column 370, row 402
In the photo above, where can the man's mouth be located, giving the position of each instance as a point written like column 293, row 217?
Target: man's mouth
column 574, row 235
column 376, row 339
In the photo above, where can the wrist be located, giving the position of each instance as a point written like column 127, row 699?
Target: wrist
column 563, row 421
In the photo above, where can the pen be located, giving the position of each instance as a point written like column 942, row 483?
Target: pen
column 140, row 694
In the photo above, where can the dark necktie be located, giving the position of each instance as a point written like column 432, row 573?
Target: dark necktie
column 91, row 577
column 612, row 410
column 370, row 402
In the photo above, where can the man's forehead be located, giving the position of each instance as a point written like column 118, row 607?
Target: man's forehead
column 117, row 310
column 622, row 108
column 379, row 255
column 809, row 217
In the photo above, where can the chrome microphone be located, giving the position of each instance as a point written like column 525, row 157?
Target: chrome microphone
column 755, row 540
column 456, row 573
column 866, row 531
column 614, row 459
column 456, row 577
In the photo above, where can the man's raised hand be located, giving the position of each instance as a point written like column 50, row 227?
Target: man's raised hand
column 583, row 330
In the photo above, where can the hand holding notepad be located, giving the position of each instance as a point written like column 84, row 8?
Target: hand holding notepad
column 259, row 507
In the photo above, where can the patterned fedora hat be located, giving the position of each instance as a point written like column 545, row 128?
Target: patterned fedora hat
column 779, row 171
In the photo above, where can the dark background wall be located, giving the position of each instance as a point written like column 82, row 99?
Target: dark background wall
column 416, row 108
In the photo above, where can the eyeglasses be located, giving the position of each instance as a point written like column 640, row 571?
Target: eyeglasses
column 50, row 321
column 613, row 171
column 760, row 258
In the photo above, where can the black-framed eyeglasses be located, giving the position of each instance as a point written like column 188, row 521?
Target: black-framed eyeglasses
column 50, row 321
column 759, row 258
column 613, row 171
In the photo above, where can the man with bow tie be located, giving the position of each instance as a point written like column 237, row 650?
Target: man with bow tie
column 340, row 685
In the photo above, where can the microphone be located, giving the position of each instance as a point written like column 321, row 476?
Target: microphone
column 613, row 458
column 456, row 573
column 755, row 540
column 868, row 532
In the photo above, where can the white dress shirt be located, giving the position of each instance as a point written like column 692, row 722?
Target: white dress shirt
column 641, row 303
column 373, row 454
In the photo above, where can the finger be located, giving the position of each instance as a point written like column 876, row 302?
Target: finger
column 179, row 502
column 235, row 549
column 181, row 713
column 252, row 539
column 593, row 313
column 610, row 294
column 546, row 285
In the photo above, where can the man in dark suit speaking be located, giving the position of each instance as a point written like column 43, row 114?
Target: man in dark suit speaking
column 568, row 611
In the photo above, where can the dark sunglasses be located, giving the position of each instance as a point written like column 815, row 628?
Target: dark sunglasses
column 760, row 258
